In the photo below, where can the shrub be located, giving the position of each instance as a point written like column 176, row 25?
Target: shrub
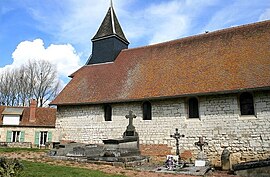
column 10, row 167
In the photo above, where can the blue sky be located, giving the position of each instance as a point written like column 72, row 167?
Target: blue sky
column 61, row 31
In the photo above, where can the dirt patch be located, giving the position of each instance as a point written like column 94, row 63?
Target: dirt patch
column 42, row 157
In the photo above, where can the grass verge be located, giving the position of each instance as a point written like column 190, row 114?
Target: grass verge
column 22, row 150
column 37, row 169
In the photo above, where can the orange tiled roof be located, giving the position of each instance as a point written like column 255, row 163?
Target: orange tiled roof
column 227, row 60
column 45, row 117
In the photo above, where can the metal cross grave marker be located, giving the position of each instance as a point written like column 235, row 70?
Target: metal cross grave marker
column 177, row 136
column 201, row 143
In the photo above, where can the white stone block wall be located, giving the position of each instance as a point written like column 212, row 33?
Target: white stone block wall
column 220, row 123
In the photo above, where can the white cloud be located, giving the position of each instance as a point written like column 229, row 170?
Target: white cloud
column 235, row 13
column 73, row 21
column 167, row 21
column 63, row 56
column 265, row 15
column 76, row 22
column 5, row 9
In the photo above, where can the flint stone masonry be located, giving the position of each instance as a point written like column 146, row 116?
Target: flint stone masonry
column 220, row 123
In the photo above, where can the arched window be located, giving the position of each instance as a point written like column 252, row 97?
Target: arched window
column 246, row 104
column 193, row 108
column 107, row 112
column 147, row 111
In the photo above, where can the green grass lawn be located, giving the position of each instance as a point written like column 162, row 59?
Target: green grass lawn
column 37, row 169
column 22, row 150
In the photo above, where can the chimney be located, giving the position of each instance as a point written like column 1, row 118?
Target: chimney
column 33, row 106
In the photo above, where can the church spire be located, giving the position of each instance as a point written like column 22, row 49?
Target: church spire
column 110, row 27
column 109, row 39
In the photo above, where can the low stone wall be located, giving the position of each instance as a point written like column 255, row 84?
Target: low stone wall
column 16, row 144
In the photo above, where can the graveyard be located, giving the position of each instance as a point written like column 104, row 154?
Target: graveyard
column 193, row 106
column 125, row 152
column 42, row 158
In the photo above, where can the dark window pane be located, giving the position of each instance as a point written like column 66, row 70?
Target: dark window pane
column 193, row 108
column 108, row 113
column 147, row 111
column 43, row 138
column 246, row 104
column 15, row 136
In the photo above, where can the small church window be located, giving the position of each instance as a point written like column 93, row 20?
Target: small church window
column 108, row 112
column 193, row 108
column 147, row 111
column 246, row 104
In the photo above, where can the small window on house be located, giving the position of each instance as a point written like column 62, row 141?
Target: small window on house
column 12, row 116
column 246, row 104
column 43, row 138
column 15, row 136
column 193, row 108
column 108, row 112
column 147, row 111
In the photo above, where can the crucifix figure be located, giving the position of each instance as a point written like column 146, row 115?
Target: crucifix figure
column 177, row 136
column 201, row 143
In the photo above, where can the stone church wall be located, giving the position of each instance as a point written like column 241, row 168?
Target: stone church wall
column 220, row 123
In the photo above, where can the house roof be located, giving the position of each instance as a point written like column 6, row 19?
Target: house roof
column 228, row 60
column 45, row 117
column 110, row 27
column 13, row 111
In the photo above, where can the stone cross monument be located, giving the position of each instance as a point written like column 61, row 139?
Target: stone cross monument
column 130, row 118
column 130, row 131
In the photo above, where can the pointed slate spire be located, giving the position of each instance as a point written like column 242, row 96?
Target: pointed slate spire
column 109, row 40
column 110, row 26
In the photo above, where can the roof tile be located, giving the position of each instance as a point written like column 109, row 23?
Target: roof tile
column 223, row 61
column 45, row 117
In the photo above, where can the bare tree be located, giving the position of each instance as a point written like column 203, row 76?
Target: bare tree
column 8, row 88
column 46, row 84
column 36, row 79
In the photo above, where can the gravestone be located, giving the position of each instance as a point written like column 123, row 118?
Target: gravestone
column 175, row 167
column 127, row 145
column 225, row 159
column 177, row 136
column 130, row 131
column 201, row 158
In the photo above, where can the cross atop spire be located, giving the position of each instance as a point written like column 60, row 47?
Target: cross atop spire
column 111, row 4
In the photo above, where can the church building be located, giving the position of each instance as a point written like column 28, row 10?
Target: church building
column 214, row 85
